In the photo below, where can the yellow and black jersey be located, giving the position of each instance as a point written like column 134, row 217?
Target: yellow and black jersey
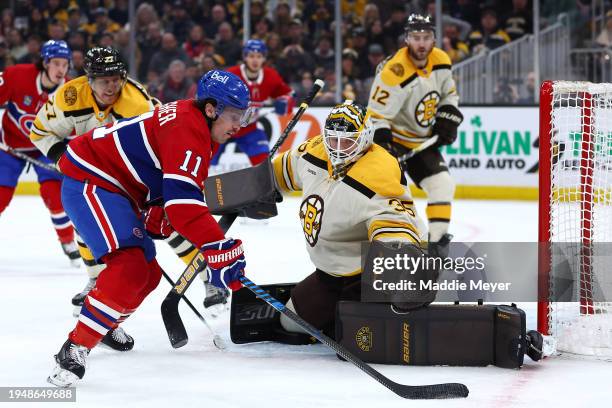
column 73, row 111
column 371, row 202
column 405, row 98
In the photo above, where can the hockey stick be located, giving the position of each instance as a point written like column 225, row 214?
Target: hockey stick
column 23, row 156
column 217, row 340
column 434, row 391
column 169, row 308
column 430, row 142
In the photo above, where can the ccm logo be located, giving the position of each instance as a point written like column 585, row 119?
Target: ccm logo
column 221, row 78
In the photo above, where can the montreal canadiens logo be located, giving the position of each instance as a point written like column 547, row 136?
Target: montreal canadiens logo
column 25, row 123
column 138, row 232
column 425, row 111
column 311, row 213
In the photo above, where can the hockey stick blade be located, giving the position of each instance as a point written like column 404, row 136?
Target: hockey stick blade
column 169, row 307
column 434, row 391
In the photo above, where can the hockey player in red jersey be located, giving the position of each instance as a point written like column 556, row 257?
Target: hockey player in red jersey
column 25, row 89
column 113, row 172
column 264, row 83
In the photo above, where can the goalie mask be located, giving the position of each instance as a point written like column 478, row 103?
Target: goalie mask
column 347, row 135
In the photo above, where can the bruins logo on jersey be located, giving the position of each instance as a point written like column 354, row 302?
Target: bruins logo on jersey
column 311, row 213
column 70, row 95
column 363, row 337
column 425, row 111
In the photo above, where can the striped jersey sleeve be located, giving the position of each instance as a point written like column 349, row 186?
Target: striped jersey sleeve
column 287, row 168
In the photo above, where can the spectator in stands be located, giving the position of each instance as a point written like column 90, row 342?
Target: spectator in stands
column 169, row 51
column 258, row 12
column 323, row 54
column 180, row 22
column 604, row 38
column 145, row 15
column 282, row 18
column 321, row 19
column 90, row 8
column 262, row 30
column 466, row 10
column 119, row 13
column 218, row 16
column 36, row 23
column 352, row 9
column 226, row 45
column 370, row 15
column 54, row 9
column 530, row 85
column 376, row 55
column 296, row 35
column 303, row 87
column 16, row 44
column 5, row 57
column 275, row 48
column 394, row 27
column 360, row 45
column 194, row 46
column 101, row 24
column 350, row 77
column 75, row 20
column 463, row 27
column 76, row 67
column 122, row 45
column 55, row 30
column 456, row 49
column 489, row 36
column 505, row 93
column 375, row 33
column 149, row 45
column 520, row 21
column 33, row 50
column 104, row 40
column 8, row 21
column 176, row 85
column 77, row 40
column 293, row 62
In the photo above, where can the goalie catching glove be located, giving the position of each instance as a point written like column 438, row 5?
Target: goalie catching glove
column 448, row 119
column 225, row 262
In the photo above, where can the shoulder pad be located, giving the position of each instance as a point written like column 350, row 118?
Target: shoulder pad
column 439, row 57
column 398, row 69
column 72, row 95
column 379, row 173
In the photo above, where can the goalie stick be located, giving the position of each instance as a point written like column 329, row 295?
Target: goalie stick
column 169, row 308
column 433, row 391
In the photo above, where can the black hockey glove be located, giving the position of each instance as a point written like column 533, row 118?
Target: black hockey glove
column 448, row 119
column 57, row 151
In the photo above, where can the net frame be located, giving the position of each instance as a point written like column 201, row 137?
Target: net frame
column 585, row 326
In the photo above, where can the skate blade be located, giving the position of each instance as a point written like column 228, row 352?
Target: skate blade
column 62, row 378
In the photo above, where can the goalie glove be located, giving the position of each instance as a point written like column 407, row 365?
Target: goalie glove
column 225, row 262
column 448, row 119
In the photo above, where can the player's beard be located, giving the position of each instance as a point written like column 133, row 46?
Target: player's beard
column 419, row 54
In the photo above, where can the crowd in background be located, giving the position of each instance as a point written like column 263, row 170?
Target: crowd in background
column 177, row 41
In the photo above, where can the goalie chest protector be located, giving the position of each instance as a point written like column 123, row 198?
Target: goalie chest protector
column 456, row 335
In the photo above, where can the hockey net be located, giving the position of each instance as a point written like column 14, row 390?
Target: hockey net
column 575, row 267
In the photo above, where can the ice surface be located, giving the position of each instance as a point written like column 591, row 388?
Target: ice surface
column 37, row 283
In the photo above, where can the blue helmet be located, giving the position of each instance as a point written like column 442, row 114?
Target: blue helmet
column 55, row 49
column 225, row 88
column 255, row 46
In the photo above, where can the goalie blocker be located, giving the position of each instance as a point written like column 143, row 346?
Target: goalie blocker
column 250, row 192
column 457, row 335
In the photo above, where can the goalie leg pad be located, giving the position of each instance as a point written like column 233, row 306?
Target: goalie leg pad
column 252, row 320
column 456, row 335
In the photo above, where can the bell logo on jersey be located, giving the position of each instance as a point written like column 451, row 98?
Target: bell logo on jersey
column 218, row 77
column 311, row 213
column 425, row 112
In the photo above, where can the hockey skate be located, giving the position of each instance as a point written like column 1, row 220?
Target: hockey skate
column 71, row 250
column 215, row 301
column 79, row 298
column 71, row 364
column 118, row 339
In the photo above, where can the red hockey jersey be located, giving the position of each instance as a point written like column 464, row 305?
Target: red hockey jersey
column 21, row 89
column 269, row 84
column 160, row 154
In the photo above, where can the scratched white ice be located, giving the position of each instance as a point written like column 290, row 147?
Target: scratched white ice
column 36, row 285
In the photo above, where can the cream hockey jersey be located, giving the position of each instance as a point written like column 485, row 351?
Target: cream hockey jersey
column 405, row 98
column 73, row 111
column 370, row 202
